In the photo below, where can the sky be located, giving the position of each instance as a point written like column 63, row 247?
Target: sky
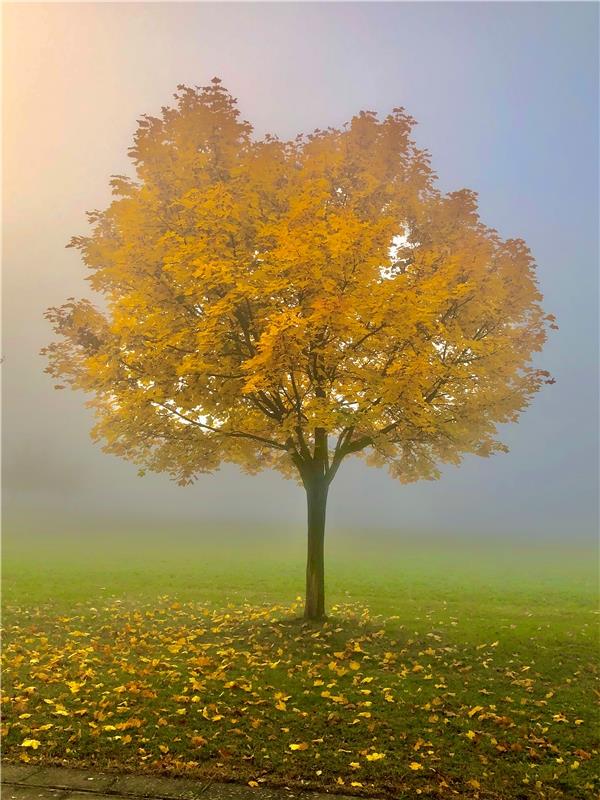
column 506, row 99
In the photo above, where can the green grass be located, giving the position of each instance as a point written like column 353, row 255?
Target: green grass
column 471, row 666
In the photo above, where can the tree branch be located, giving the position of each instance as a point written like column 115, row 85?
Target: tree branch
column 233, row 434
column 358, row 343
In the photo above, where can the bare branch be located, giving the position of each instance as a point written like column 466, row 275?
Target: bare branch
column 220, row 431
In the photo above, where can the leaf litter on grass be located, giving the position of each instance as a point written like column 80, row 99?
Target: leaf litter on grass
column 250, row 692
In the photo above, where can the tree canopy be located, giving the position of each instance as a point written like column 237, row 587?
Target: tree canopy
column 285, row 304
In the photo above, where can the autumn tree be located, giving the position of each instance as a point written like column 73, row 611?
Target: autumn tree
column 288, row 304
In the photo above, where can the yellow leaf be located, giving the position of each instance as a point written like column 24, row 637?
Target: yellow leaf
column 414, row 765
column 475, row 710
column 375, row 756
column 33, row 743
column 299, row 746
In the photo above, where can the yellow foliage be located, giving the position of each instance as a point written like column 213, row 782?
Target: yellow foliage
column 289, row 304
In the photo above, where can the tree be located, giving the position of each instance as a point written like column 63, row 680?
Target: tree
column 287, row 304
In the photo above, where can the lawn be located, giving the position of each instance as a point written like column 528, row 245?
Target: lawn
column 445, row 669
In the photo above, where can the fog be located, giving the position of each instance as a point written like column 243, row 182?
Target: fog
column 506, row 97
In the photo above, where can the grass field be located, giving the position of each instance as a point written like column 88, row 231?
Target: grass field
column 446, row 669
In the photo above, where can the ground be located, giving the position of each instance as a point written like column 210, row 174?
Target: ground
column 446, row 668
column 26, row 782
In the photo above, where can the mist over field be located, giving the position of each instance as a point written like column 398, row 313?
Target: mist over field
column 505, row 96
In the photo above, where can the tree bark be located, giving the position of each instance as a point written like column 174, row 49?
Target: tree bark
column 316, row 496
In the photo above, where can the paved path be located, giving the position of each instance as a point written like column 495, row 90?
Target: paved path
column 22, row 782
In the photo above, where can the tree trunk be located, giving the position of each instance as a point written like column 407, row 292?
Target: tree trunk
column 316, row 495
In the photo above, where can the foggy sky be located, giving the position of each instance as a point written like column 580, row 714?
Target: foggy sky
column 506, row 97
